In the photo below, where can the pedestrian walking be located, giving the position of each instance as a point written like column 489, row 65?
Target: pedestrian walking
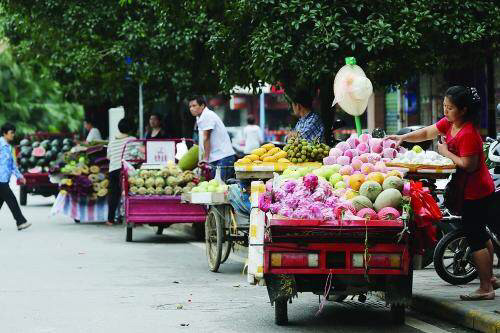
column 114, row 153
column 7, row 168
column 215, row 144
column 251, row 135
column 473, row 187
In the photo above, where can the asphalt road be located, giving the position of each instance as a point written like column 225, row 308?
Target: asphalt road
column 58, row 276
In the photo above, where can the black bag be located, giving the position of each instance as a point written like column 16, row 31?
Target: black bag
column 455, row 191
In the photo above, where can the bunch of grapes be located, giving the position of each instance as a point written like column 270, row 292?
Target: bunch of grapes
column 300, row 150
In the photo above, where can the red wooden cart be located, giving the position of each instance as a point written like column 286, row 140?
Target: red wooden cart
column 336, row 260
column 157, row 210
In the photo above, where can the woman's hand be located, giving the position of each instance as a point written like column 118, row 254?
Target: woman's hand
column 397, row 138
column 443, row 149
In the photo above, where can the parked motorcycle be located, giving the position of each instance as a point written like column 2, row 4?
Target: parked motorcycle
column 453, row 256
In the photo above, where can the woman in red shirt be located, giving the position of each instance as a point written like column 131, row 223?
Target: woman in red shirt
column 464, row 146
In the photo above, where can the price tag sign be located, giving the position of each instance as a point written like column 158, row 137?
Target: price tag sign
column 160, row 152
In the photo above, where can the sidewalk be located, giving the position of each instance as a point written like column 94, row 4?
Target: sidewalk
column 433, row 296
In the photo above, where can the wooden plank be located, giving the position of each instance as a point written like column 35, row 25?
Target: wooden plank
column 254, row 175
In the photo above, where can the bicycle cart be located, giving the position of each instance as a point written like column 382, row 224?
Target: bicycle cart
column 158, row 210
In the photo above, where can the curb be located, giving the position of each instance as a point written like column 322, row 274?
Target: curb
column 470, row 317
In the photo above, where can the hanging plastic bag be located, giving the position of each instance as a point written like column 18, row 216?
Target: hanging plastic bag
column 181, row 149
column 425, row 208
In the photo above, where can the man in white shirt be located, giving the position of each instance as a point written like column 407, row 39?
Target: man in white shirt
column 94, row 133
column 251, row 135
column 215, row 144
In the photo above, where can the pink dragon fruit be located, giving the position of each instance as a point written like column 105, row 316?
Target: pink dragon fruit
column 374, row 157
column 275, row 208
column 310, row 181
column 356, row 163
column 329, row 160
column 367, row 213
column 327, row 214
column 357, row 172
column 286, row 211
column 331, row 201
column 318, row 195
column 386, row 160
column 366, row 168
column 269, row 185
column 292, row 201
column 300, row 213
column 389, row 143
column 343, row 160
column 364, row 157
column 377, row 148
column 388, row 213
column 343, row 146
column 351, row 153
column 315, row 210
column 279, row 195
column 363, row 148
column 365, row 137
column 353, row 142
column 289, row 186
column 402, row 150
column 346, row 170
column 265, row 201
column 390, row 153
column 336, row 152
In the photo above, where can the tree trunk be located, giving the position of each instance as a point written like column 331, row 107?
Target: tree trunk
column 327, row 111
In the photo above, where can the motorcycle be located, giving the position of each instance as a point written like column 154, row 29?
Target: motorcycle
column 452, row 255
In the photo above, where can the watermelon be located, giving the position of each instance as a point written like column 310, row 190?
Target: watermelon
column 190, row 160
column 24, row 142
column 32, row 161
column 23, row 162
column 55, row 143
column 66, row 148
column 35, row 144
column 45, row 144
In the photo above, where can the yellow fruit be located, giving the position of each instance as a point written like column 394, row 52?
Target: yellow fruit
column 283, row 160
column 394, row 173
column 273, row 151
column 376, row 177
column 281, row 154
column 257, row 162
column 268, row 146
column 244, row 161
column 350, row 194
column 356, row 180
column 252, row 157
column 259, row 151
column 269, row 159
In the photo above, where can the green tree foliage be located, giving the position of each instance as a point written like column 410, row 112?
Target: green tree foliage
column 300, row 42
column 31, row 100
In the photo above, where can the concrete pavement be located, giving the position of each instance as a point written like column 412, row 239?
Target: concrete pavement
column 59, row 277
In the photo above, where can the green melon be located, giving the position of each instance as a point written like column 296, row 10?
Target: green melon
column 190, row 160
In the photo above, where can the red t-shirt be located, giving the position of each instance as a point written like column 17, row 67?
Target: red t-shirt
column 468, row 142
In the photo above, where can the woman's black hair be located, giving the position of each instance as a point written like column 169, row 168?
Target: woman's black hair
column 157, row 115
column 304, row 98
column 251, row 119
column 466, row 98
column 125, row 126
column 8, row 127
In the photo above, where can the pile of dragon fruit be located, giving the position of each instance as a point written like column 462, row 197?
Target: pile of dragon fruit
column 314, row 198
column 363, row 149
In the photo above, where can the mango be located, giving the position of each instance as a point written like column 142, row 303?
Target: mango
column 268, row 146
column 273, row 151
column 252, row 157
column 259, row 151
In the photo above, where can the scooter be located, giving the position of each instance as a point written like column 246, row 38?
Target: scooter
column 453, row 256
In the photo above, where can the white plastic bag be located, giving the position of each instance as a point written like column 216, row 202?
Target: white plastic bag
column 181, row 149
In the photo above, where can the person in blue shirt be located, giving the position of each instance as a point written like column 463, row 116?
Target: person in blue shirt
column 7, row 168
column 309, row 127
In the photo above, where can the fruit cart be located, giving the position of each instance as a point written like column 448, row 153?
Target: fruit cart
column 335, row 260
column 225, row 224
column 35, row 155
column 156, row 209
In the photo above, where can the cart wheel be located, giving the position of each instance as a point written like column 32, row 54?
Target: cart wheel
column 128, row 238
column 159, row 231
column 199, row 231
column 213, row 239
column 281, row 312
column 398, row 314
column 228, row 245
column 23, row 195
